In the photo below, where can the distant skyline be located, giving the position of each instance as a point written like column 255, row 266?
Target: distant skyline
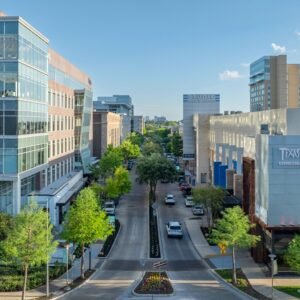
column 156, row 51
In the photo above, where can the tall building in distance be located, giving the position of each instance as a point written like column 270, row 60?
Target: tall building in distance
column 138, row 124
column 39, row 113
column 120, row 104
column 203, row 104
column 274, row 84
column 106, row 131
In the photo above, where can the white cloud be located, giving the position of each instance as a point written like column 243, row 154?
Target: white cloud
column 229, row 75
column 278, row 48
column 245, row 65
column 297, row 33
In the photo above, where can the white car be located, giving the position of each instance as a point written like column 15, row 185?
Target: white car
column 170, row 199
column 109, row 207
column 198, row 210
column 188, row 201
column 174, row 229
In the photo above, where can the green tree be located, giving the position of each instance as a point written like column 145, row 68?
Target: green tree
column 292, row 256
column 123, row 181
column 151, row 169
column 212, row 199
column 233, row 231
column 29, row 242
column 109, row 162
column 86, row 223
column 129, row 150
column 136, row 138
column 176, row 145
column 150, row 147
column 6, row 223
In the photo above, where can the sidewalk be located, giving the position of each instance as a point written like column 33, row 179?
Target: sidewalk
column 255, row 274
column 56, row 286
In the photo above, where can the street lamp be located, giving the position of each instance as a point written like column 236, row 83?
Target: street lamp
column 272, row 257
column 47, row 264
column 67, row 288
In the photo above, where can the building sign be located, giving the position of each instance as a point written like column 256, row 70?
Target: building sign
column 286, row 157
column 188, row 156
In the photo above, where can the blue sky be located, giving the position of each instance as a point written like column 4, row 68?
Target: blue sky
column 157, row 50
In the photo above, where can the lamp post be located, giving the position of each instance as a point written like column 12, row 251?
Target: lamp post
column 47, row 264
column 67, row 288
column 272, row 257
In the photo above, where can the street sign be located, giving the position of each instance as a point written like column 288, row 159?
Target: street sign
column 154, row 205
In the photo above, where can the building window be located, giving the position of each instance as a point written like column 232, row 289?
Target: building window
column 203, row 178
column 62, row 145
column 57, row 147
column 53, row 148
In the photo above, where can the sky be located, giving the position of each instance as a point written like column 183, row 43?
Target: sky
column 158, row 50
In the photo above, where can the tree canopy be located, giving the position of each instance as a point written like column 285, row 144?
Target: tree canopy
column 129, row 150
column 151, row 147
column 232, row 230
column 29, row 242
column 176, row 145
column 292, row 255
column 85, row 223
column 151, row 169
column 212, row 200
column 109, row 162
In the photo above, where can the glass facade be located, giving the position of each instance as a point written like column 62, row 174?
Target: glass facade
column 260, row 94
column 23, row 105
column 83, row 111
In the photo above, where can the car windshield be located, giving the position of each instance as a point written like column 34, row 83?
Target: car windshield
column 170, row 196
column 109, row 205
column 175, row 227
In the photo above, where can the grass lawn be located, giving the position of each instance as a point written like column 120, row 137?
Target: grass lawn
column 291, row 290
column 242, row 282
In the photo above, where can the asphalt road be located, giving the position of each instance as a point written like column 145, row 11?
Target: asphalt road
column 129, row 256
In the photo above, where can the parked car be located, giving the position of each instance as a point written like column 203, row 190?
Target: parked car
column 165, row 181
column 189, row 201
column 198, row 210
column 184, row 186
column 174, row 229
column 187, row 191
column 109, row 207
column 170, row 199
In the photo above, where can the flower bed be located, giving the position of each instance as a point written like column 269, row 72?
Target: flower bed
column 154, row 283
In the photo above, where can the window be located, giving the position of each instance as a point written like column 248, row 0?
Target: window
column 53, row 148
column 57, row 147
column 62, row 146
column 53, row 123
column 203, row 178
column 11, row 27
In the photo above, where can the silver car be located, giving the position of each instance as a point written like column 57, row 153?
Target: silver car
column 198, row 210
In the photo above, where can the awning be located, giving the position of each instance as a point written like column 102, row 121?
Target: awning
column 76, row 188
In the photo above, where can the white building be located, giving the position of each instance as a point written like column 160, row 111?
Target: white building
column 257, row 156
column 138, row 124
column 203, row 104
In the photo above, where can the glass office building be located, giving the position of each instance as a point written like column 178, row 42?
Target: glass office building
column 23, row 109
column 41, row 95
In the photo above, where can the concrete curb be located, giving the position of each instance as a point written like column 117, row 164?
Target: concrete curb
column 93, row 275
column 214, row 274
column 150, row 295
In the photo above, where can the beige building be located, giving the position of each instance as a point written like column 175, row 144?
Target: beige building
column 138, row 124
column 106, row 131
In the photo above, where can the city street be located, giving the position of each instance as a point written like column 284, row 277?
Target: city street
column 118, row 273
